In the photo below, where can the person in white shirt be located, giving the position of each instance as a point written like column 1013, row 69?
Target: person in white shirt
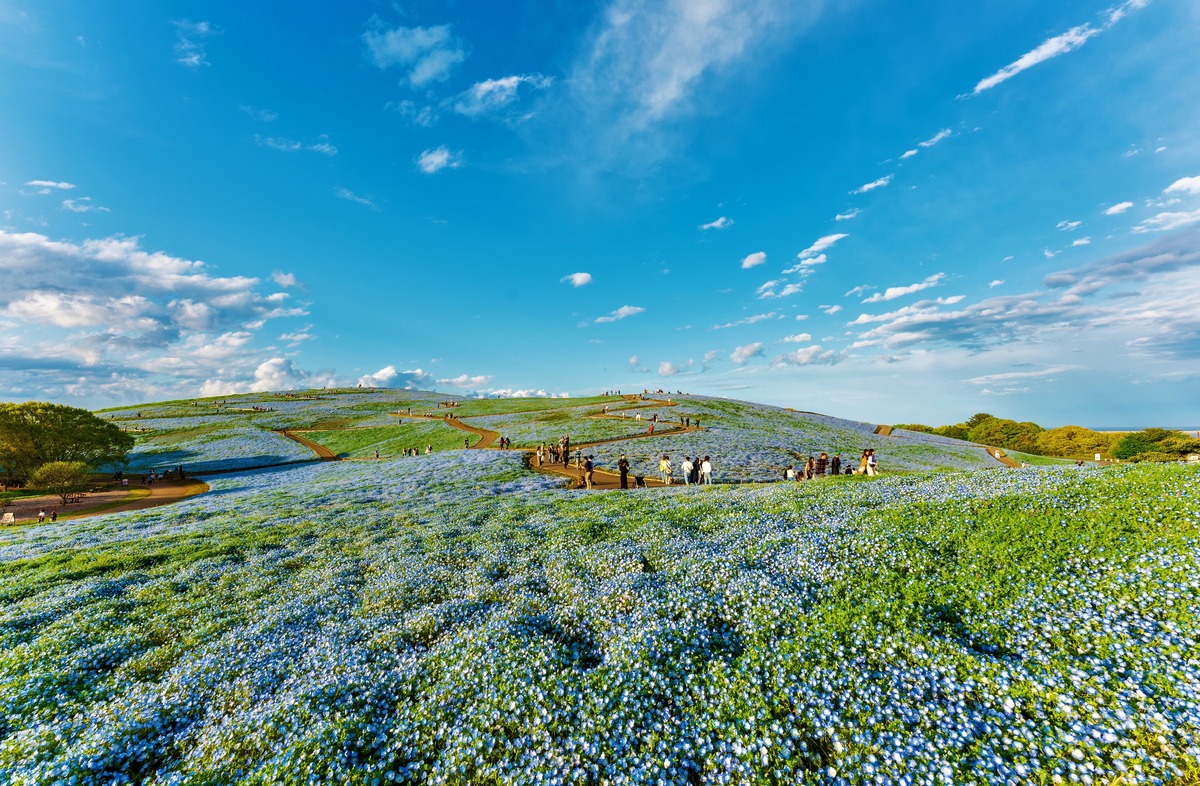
column 706, row 471
column 685, row 467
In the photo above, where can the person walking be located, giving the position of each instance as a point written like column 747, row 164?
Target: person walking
column 588, row 469
column 623, row 468
column 539, row 455
column 835, row 464
column 706, row 471
column 872, row 463
column 665, row 470
column 686, row 468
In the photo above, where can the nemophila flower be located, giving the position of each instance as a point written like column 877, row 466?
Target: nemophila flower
column 457, row 619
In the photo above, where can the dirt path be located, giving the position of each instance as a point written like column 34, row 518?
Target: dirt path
column 323, row 453
column 115, row 499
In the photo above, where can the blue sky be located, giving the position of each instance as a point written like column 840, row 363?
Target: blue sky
column 889, row 212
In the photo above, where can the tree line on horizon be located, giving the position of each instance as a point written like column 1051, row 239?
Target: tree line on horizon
column 1151, row 444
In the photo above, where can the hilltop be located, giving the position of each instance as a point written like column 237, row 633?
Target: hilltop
column 749, row 442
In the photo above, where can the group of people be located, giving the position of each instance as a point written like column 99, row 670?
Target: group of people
column 824, row 465
column 556, row 453
column 695, row 472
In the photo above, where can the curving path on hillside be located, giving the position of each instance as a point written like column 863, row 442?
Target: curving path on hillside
column 323, row 453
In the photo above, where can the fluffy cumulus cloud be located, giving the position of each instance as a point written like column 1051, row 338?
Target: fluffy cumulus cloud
column 1058, row 45
column 745, row 353
column 577, row 279
column 720, row 223
column 1184, row 185
column 753, row 260
column 667, row 369
column 379, row 379
column 619, row 314
column 493, row 96
column 1118, row 208
column 435, row 160
column 798, row 338
column 807, row 356
column 106, row 309
column 424, row 54
column 891, row 293
column 466, row 381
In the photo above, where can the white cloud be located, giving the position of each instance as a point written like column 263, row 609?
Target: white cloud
column 342, row 192
column 933, row 140
column 493, row 95
column 909, row 154
column 858, row 291
column 82, row 205
column 821, row 245
column 743, row 354
column 189, row 49
column 620, row 313
column 767, row 290
column 466, row 381
column 1016, row 376
column 646, row 63
column 284, row 279
column 633, row 362
column 46, row 186
column 1048, row 254
column 720, row 223
column 1068, row 226
column 433, row 161
column 752, row 260
column 285, row 145
column 297, row 338
column 427, row 54
column 995, row 283
column 849, row 214
column 891, row 293
column 798, row 338
column 747, row 320
column 1118, row 208
column 831, row 310
column 666, row 369
column 1184, row 185
column 106, row 309
column 1082, row 241
column 874, row 184
column 379, row 379
column 807, row 356
column 1167, row 221
column 577, row 279
column 1053, row 47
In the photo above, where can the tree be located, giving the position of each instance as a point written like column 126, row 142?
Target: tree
column 1007, row 434
column 63, row 478
column 37, row 433
column 1074, row 441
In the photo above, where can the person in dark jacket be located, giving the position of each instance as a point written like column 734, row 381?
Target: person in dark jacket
column 835, row 465
column 623, row 468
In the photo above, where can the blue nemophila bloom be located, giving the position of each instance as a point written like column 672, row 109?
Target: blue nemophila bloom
column 456, row 619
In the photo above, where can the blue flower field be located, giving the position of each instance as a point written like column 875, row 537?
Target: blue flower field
column 455, row 618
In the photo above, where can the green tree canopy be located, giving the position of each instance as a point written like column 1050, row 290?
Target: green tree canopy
column 1074, row 441
column 1008, row 434
column 37, row 433
column 63, row 478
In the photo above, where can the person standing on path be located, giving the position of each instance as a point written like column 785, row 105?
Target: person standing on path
column 623, row 468
column 835, row 465
column 686, row 466
column 665, row 470
column 706, row 471
column 588, row 469
column 696, row 470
